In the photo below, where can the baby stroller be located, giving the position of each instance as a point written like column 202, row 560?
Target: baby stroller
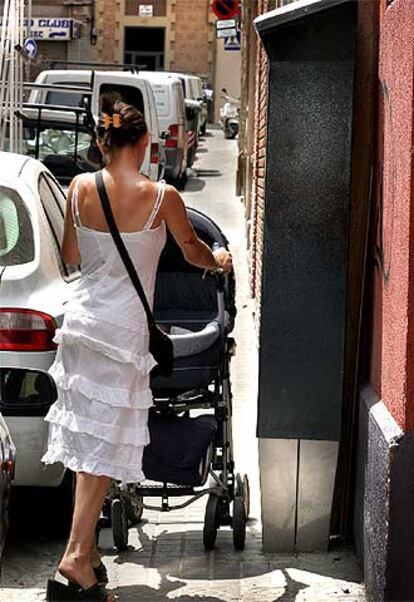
column 187, row 448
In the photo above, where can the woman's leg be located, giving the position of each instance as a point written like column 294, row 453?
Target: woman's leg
column 76, row 562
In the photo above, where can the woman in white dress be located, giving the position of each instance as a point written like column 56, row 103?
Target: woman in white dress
column 98, row 425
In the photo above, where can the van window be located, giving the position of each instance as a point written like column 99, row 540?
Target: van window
column 66, row 99
column 16, row 231
column 129, row 94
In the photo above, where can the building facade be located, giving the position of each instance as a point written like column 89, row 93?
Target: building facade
column 175, row 35
column 63, row 31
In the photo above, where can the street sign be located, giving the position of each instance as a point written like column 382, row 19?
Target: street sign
column 146, row 10
column 233, row 43
column 225, row 23
column 231, row 32
column 226, row 9
column 30, row 48
column 54, row 29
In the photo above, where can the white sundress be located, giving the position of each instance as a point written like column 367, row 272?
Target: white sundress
column 98, row 424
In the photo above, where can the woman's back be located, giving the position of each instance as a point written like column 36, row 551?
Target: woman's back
column 105, row 292
column 132, row 197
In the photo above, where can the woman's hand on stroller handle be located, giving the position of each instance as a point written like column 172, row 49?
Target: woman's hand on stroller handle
column 223, row 259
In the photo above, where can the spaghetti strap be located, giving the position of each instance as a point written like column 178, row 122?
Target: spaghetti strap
column 75, row 205
column 157, row 205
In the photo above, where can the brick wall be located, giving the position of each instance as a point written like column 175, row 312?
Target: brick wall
column 259, row 167
column 108, row 30
column 193, row 37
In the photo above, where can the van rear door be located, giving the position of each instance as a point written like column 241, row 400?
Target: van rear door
column 133, row 90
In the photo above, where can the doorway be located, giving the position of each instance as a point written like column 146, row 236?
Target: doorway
column 145, row 47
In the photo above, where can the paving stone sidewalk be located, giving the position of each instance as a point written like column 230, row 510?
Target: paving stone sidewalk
column 166, row 559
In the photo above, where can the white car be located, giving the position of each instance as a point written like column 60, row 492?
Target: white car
column 34, row 287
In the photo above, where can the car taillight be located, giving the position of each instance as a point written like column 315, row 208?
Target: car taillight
column 8, row 466
column 26, row 330
column 172, row 141
column 155, row 154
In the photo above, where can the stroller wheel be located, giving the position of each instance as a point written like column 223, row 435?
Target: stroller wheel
column 135, row 509
column 210, row 523
column 243, row 489
column 239, row 523
column 119, row 524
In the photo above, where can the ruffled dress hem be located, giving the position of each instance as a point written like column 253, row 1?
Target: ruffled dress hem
column 93, row 466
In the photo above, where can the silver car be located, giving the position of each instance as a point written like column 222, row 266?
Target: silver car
column 34, row 287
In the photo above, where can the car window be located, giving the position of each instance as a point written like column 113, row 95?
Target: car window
column 16, row 230
column 57, row 148
column 51, row 198
column 66, row 99
column 57, row 193
column 52, row 209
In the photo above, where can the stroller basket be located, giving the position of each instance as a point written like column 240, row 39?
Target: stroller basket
column 180, row 451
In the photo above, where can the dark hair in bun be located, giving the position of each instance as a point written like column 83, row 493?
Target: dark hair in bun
column 120, row 124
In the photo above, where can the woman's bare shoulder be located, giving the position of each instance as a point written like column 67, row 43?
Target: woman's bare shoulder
column 83, row 183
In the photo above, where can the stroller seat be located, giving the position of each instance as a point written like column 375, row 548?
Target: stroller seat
column 186, row 308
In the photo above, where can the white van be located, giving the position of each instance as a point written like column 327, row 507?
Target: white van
column 169, row 98
column 131, row 87
column 193, row 91
column 196, row 85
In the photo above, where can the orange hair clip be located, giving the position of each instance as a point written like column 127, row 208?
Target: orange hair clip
column 114, row 121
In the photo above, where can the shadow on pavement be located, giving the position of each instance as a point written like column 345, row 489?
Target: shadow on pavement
column 209, row 173
column 195, row 184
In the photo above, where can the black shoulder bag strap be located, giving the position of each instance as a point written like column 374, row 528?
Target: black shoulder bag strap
column 106, row 206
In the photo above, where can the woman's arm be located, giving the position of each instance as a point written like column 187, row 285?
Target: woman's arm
column 70, row 249
column 195, row 250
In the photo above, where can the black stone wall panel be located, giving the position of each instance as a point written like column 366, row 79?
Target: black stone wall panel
column 306, row 228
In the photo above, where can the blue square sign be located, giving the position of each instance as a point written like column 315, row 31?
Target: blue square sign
column 233, row 43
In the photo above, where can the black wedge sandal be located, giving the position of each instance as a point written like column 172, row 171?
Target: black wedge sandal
column 101, row 573
column 59, row 592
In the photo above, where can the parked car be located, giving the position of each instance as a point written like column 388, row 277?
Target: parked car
column 35, row 284
column 7, row 467
column 169, row 98
column 129, row 87
column 61, row 139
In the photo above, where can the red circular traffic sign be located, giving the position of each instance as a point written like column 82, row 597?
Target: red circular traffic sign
column 225, row 9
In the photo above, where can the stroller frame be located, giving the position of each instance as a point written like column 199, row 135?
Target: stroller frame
column 228, row 493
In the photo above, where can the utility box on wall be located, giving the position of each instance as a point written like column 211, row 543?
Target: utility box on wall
column 311, row 49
